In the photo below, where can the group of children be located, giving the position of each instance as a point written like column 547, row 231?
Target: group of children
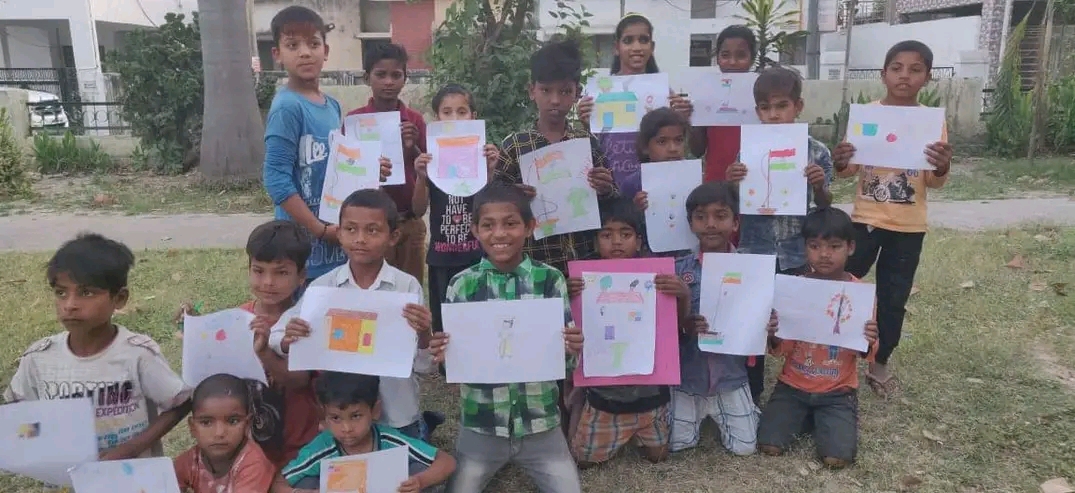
column 481, row 248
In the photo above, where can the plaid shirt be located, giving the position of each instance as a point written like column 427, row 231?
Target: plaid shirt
column 554, row 250
column 783, row 235
column 515, row 409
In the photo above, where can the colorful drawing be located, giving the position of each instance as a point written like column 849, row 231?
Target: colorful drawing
column 546, row 218
column 577, row 198
column 606, row 283
column 29, row 430
column 458, row 157
column 618, row 348
column 347, row 477
column 776, row 160
column 840, row 310
column 610, row 332
column 368, row 129
column 351, row 331
column 546, row 169
column 634, row 316
column 866, row 129
column 506, row 334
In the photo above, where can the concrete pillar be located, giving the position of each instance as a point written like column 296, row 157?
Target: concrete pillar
column 83, row 29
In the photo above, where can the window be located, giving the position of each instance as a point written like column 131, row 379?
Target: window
column 703, row 9
column 605, row 46
column 701, row 53
column 376, row 17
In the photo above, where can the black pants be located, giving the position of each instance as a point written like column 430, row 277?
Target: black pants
column 756, row 371
column 896, row 255
column 832, row 418
column 437, row 283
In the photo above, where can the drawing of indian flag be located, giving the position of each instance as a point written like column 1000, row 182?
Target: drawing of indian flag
column 782, row 159
column 349, row 159
column 732, row 278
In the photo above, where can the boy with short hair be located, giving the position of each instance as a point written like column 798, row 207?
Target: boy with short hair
column 136, row 395
column 369, row 227
column 385, row 67
column 297, row 130
column 555, row 75
column 352, row 406
column 517, row 422
column 712, row 385
column 778, row 100
column 818, row 386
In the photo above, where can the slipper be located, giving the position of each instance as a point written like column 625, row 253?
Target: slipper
column 883, row 388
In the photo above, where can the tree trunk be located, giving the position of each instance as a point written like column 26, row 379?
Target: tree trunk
column 232, row 148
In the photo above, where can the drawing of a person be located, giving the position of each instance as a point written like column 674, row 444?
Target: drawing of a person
column 505, row 338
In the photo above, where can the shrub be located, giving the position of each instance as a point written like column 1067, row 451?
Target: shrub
column 1007, row 128
column 14, row 181
column 65, row 155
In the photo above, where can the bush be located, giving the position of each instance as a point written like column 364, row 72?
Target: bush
column 14, row 181
column 65, row 155
column 1007, row 128
column 1060, row 133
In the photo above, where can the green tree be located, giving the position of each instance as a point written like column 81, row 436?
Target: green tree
column 769, row 20
column 1007, row 128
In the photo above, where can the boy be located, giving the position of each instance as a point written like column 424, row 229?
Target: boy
column 369, row 227
column 555, row 75
column 137, row 397
column 778, row 100
column 712, row 385
column 385, row 67
column 285, row 411
column 518, row 422
column 890, row 209
column 296, row 133
column 614, row 416
column 818, row 384
column 223, row 457
column 352, row 406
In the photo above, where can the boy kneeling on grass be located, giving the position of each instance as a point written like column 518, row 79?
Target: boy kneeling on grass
column 817, row 391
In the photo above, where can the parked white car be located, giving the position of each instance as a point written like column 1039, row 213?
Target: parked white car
column 46, row 110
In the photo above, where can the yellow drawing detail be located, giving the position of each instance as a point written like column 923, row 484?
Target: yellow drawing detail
column 347, row 477
column 351, row 331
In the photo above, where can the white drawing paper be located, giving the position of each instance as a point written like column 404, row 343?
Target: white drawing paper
column 893, row 136
column 736, row 300
column 776, row 157
column 156, row 475
column 356, row 331
column 620, row 101
column 619, row 320
column 565, row 201
column 720, row 100
column 352, row 165
column 458, row 167
column 384, row 128
column 220, row 342
column 505, row 341
column 667, row 185
column 832, row 313
column 375, row 472
column 44, row 439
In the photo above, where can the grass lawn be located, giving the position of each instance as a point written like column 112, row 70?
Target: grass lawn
column 988, row 402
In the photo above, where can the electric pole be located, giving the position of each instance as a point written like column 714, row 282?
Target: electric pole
column 852, row 6
column 813, row 40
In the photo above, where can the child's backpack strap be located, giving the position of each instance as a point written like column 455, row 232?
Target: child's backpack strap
column 145, row 342
column 38, row 347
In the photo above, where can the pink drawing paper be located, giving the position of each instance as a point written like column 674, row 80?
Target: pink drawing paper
column 666, row 351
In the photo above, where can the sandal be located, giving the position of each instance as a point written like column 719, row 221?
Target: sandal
column 883, row 388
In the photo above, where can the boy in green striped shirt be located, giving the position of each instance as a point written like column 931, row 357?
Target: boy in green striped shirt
column 517, row 422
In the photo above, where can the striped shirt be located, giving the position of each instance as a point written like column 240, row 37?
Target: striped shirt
column 325, row 446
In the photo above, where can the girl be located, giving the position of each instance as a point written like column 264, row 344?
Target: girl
column 662, row 136
column 634, row 56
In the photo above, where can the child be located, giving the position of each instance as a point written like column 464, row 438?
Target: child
column 385, row 67
column 555, row 74
column 136, row 395
column 352, row 405
column 890, row 209
column 369, row 227
column 778, row 100
column 614, row 416
column 452, row 245
column 818, row 384
column 285, row 411
column 518, row 422
column 713, row 385
column 737, row 49
column 662, row 136
column 297, row 130
column 223, row 458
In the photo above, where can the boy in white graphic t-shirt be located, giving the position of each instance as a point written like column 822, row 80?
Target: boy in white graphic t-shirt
column 137, row 397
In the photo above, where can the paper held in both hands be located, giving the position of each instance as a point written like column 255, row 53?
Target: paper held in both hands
column 736, row 300
column 374, row 472
column 893, row 136
column 565, row 201
column 352, row 165
column 220, row 342
column 720, row 100
column 776, row 157
column 832, row 313
column 44, row 439
column 457, row 148
column 384, row 128
column 619, row 324
column 152, row 475
column 667, row 185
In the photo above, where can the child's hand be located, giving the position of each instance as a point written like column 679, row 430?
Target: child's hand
column 841, row 155
column 527, row 190
column 672, row 285
column 698, row 324
column 601, row 180
column 386, row 167
column 261, row 325
column 736, row 172
column 642, row 200
column 411, row 485
column 492, row 156
column 421, row 167
column 409, row 132
column 295, row 329
column 585, row 109
column 418, row 317
column 573, row 339
column 815, row 176
column 681, row 105
column 774, row 324
column 438, row 344
column 575, row 285
column 871, row 331
column 939, row 155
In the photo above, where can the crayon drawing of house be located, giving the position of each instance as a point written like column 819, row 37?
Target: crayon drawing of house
column 351, row 331
column 617, row 109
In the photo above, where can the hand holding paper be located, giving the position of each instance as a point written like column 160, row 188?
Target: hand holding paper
column 600, row 179
column 573, row 340
column 939, row 155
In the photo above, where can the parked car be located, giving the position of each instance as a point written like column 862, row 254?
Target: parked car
column 46, row 111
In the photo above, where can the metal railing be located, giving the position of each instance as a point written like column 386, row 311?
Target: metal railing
column 80, row 118
column 63, row 82
column 875, row 73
